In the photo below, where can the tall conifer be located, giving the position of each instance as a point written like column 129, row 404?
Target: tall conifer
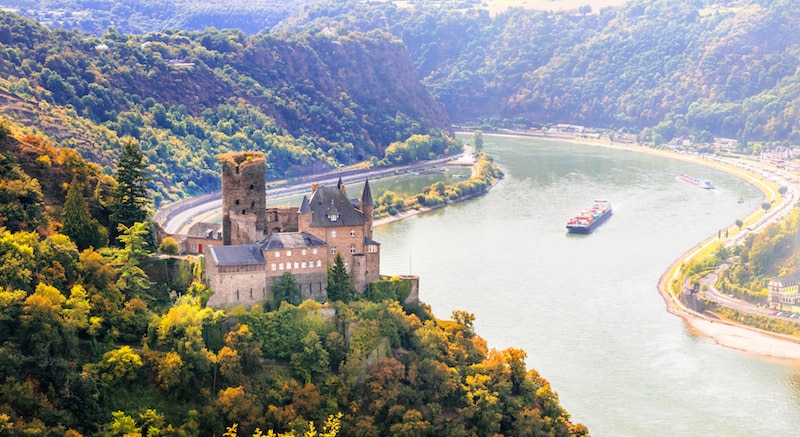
column 339, row 286
column 78, row 223
column 130, row 198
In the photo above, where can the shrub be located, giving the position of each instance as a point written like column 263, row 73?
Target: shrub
column 44, row 161
column 169, row 246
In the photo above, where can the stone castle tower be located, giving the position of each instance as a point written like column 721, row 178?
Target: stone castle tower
column 244, row 201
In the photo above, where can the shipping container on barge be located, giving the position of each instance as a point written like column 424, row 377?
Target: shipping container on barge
column 589, row 218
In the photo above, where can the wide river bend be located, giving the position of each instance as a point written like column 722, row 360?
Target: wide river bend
column 585, row 308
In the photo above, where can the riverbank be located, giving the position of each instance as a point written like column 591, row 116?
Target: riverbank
column 467, row 159
column 728, row 334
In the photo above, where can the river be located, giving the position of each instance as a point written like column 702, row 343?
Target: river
column 585, row 308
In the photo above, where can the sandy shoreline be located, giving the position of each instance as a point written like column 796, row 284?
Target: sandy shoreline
column 739, row 337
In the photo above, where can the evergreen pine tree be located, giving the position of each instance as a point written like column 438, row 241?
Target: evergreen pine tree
column 130, row 198
column 79, row 225
column 286, row 289
column 339, row 286
column 133, row 281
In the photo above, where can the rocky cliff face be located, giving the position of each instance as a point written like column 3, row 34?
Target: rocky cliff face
column 369, row 83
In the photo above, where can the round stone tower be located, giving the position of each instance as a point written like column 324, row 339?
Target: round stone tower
column 244, row 200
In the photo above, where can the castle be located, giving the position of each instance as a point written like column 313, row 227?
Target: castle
column 260, row 243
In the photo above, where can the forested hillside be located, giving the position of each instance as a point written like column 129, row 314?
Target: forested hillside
column 311, row 102
column 143, row 16
column 727, row 68
column 667, row 67
column 108, row 340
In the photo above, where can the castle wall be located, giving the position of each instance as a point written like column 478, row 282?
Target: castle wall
column 312, row 285
column 282, row 219
column 244, row 200
column 241, row 229
column 307, row 264
column 414, row 295
column 235, row 285
column 364, row 269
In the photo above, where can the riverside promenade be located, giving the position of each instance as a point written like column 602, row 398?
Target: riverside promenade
column 727, row 333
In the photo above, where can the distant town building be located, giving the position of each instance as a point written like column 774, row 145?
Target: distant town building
column 726, row 144
column 776, row 155
column 784, row 293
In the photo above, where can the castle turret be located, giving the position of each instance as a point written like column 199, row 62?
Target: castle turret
column 367, row 206
column 244, row 201
column 304, row 214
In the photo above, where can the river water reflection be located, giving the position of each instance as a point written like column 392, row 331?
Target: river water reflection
column 585, row 307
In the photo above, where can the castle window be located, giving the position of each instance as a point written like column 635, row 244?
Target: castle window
column 273, row 267
column 314, row 251
column 277, row 254
column 280, row 266
column 296, row 265
column 333, row 217
column 237, row 201
column 288, row 266
column 252, row 204
column 244, row 212
column 333, row 251
column 319, row 263
column 304, row 265
column 333, row 233
column 237, row 294
column 252, row 186
column 288, row 253
column 352, row 249
column 352, row 233
column 303, row 252
column 372, row 248
column 251, row 294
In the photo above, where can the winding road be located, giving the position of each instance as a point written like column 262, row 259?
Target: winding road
column 755, row 174
column 176, row 218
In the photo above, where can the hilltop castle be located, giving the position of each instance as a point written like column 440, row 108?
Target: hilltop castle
column 260, row 243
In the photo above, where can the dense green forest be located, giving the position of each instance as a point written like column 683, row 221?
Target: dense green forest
column 101, row 338
column 310, row 102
